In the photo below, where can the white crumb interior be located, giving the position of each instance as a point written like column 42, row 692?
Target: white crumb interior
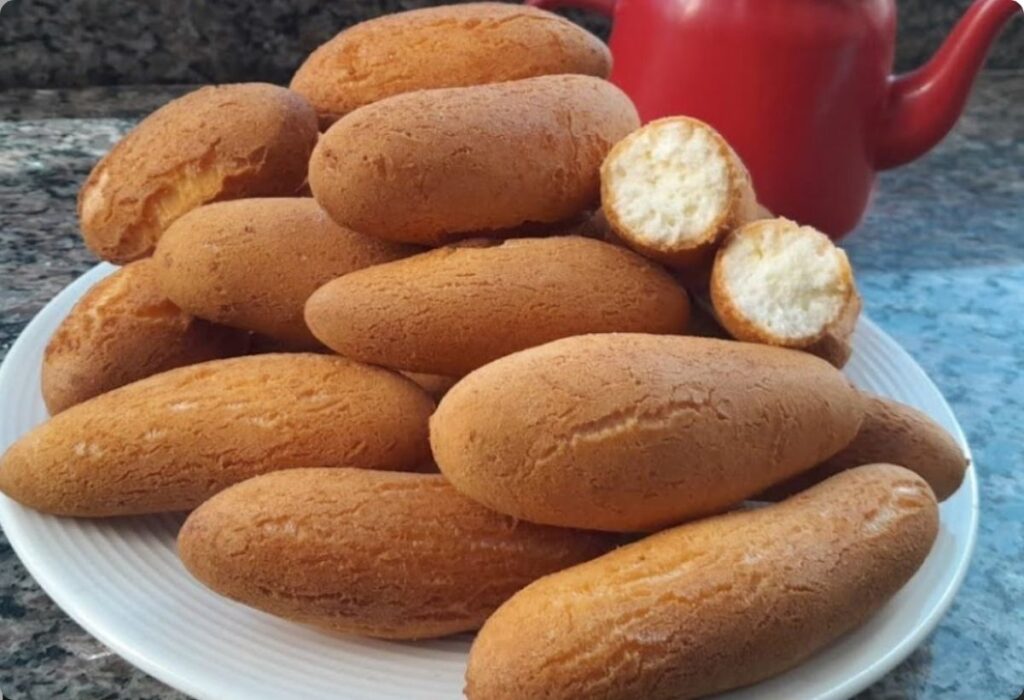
column 786, row 279
column 670, row 183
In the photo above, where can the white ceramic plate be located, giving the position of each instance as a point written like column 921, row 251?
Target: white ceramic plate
column 120, row 578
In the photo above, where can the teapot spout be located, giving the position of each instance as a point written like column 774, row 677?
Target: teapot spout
column 923, row 105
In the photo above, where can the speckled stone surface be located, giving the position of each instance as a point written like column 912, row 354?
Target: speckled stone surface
column 940, row 259
column 60, row 43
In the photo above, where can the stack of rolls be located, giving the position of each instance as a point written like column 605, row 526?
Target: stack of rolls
column 458, row 388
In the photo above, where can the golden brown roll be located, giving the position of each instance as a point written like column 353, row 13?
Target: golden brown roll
column 452, row 310
column 171, row 441
column 428, row 166
column 635, row 432
column 712, row 605
column 399, row 556
column 469, row 44
column 895, row 433
column 252, row 263
column 124, row 329
column 225, row 142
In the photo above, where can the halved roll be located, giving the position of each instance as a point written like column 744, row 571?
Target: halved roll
column 780, row 283
column 673, row 189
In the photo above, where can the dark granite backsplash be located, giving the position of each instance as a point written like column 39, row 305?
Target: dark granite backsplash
column 60, row 43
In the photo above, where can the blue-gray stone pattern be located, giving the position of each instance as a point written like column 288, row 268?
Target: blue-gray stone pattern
column 940, row 261
column 64, row 43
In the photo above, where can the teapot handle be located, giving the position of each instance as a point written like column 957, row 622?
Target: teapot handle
column 923, row 105
column 603, row 7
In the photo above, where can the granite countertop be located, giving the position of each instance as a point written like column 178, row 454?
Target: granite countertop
column 940, row 260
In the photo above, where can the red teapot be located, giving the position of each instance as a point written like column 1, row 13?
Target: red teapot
column 801, row 88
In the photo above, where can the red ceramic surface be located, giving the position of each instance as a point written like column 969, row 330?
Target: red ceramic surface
column 801, row 88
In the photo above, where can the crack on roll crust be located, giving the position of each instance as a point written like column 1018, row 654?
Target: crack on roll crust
column 191, row 184
column 612, row 426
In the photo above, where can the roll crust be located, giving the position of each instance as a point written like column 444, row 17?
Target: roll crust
column 217, row 143
column 171, row 441
column 712, row 605
column 429, row 166
column 896, row 433
column 454, row 309
column 470, row 44
column 398, row 556
column 630, row 432
column 436, row 385
column 253, row 263
column 122, row 330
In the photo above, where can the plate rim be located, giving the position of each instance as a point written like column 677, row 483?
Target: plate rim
column 35, row 565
